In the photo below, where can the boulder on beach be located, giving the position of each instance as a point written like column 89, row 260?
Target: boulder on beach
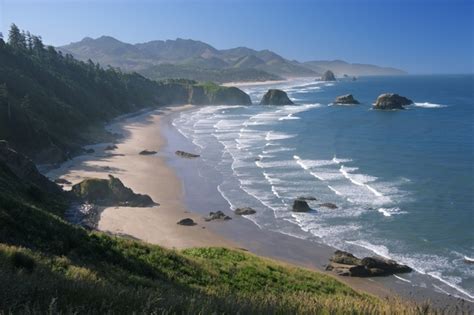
column 109, row 192
column 276, row 97
column 328, row 205
column 391, row 101
column 147, row 152
column 218, row 215
column 110, row 147
column 300, row 205
column 328, row 76
column 346, row 264
column 347, row 99
column 244, row 211
column 186, row 222
column 186, row 155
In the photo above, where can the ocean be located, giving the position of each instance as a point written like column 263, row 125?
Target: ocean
column 403, row 181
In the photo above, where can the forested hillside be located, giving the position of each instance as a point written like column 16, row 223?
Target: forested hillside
column 51, row 104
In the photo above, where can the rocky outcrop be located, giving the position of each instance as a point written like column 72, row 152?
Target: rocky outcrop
column 328, row 76
column 391, row 101
column 244, row 211
column 25, row 169
column 147, row 152
column 328, row 205
column 109, row 192
column 347, row 99
column 187, row 155
column 186, row 222
column 89, row 151
column 219, row 215
column 110, row 147
column 276, row 97
column 229, row 96
column 300, row 205
column 62, row 181
column 346, row 264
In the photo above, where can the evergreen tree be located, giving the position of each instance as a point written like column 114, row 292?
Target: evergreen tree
column 4, row 103
column 16, row 39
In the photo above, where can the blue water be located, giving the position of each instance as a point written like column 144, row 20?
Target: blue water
column 403, row 181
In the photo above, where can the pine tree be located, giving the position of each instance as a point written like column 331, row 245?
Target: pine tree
column 4, row 100
column 15, row 38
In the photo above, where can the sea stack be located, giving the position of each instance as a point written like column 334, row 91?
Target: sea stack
column 391, row 101
column 328, row 76
column 276, row 97
column 347, row 99
column 300, row 205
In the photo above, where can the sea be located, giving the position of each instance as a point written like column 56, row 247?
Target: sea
column 402, row 181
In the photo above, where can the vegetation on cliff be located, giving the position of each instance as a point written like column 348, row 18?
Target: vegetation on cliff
column 51, row 104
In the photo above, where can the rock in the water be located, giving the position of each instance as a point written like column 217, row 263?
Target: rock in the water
column 109, row 192
column 307, row 198
column 219, row 215
column 354, row 79
column 147, row 152
column 391, row 101
column 328, row 76
column 110, row 147
column 328, row 205
column 186, row 222
column 275, row 97
column 346, row 264
column 347, row 99
column 62, row 181
column 300, row 206
column 186, row 154
column 244, row 211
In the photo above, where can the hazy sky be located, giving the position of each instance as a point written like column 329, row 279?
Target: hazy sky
column 419, row 36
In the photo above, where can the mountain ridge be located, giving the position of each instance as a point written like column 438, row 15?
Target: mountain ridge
column 166, row 56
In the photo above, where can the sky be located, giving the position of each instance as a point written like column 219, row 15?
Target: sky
column 419, row 36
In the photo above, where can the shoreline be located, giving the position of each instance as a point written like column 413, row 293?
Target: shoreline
column 151, row 130
column 144, row 174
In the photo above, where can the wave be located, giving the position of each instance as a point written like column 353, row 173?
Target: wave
column 388, row 212
column 454, row 286
column 429, row 105
column 271, row 135
column 359, row 183
column 403, row 279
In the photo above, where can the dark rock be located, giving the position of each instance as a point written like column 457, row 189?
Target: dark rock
column 354, row 79
column 328, row 76
column 219, row 215
column 186, row 154
column 275, row 97
column 146, row 152
column 345, row 258
column 110, row 147
column 186, row 222
column 89, row 151
column 300, row 206
column 347, row 99
column 387, row 266
column 244, row 211
column 307, row 198
column 328, row 205
column 346, row 264
column 109, row 192
column 62, row 181
column 391, row 101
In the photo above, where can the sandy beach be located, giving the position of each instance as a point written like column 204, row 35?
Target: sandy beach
column 153, row 175
column 145, row 174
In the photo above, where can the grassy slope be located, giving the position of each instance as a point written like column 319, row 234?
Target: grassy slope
column 47, row 264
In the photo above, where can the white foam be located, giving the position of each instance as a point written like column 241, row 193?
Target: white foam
column 403, row 279
column 437, row 275
column 272, row 135
column 469, row 259
column 346, row 174
column 429, row 105
column 388, row 212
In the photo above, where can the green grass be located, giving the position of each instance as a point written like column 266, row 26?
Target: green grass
column 50, row 266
